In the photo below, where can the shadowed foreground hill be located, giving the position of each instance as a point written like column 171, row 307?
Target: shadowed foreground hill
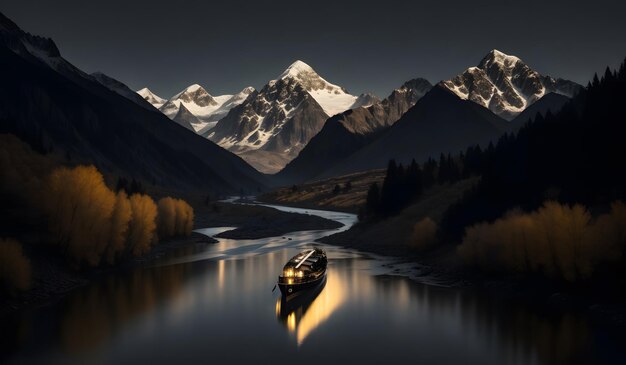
column 52, row 105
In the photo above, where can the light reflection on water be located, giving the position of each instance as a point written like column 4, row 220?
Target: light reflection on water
column 215, row 304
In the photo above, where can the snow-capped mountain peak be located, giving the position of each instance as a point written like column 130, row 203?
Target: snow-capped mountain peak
column 503, row 60
column 151, row 97
column 205, row 108
column 296, row 68
column 505, row 84
column 280, row 119
column 332, row 98
column 195, row 94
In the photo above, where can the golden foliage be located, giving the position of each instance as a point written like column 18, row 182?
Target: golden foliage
column 89, row 221
column 558, row 241
column 79, row 207
column 142, row 227
column 167, row 217
column 15, row 270
column 424, row 234
column 120, row 220
column 175, row 217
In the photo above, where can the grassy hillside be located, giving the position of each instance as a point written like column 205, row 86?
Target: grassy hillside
column 324, row 194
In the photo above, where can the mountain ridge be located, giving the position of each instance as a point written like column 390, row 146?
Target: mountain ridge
column 77, row 116
column 506, row 85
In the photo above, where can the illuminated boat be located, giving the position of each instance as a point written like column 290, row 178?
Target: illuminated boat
column 304, row 271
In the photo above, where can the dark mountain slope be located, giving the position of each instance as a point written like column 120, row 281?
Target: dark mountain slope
column 440, row 122
column 551, row 102
column 345, row 133
column 69, row 112
column 574, row 156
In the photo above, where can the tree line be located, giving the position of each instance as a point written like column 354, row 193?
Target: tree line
column 402, row 186
column 90, row 223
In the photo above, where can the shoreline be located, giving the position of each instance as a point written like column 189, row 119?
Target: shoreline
column 53, row 279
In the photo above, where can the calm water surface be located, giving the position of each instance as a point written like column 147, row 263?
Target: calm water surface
column 214, row 304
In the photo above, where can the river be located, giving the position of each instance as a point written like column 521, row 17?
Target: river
column 214, row 304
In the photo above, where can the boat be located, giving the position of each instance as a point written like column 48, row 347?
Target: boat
column 303, row 272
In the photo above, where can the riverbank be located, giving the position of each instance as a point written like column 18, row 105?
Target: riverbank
column 254, row 221
column 53, row 278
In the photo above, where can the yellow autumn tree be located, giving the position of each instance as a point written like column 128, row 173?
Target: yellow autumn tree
column 79, row 207
column 175, row 217
column 118, row 233
column 184, row 218
column 167, row 217
column 142, row 227
column 557, row 240
column 15, row 269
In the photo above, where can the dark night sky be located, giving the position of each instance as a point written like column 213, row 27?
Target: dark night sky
column 361, row 45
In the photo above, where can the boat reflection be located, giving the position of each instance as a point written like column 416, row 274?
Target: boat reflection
column 303, row 314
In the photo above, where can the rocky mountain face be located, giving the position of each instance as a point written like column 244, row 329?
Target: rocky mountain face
column 278, row 121
column 186, row 119
column 204, row 107
column 50, row 104
column 506, row 85
column 439, row 122
column 345, row 133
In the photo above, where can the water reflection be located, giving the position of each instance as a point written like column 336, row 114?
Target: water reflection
column 302, row 315
column 215, row 303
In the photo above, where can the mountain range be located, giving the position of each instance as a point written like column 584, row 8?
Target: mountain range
column 435, row 122
column 273, row 125
column 298, row 125
column 345, row 133
column 195, row 106
column 54, row 106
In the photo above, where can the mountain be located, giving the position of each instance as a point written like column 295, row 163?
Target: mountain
column 506, row 85
column 366, row 99
column 273, row 125
column 185, row 118
column 152, row 98
column 206, row 108
column 120, row 88
column 345, row 133
column 52, row 105
column 439, row 122
column 551, row 102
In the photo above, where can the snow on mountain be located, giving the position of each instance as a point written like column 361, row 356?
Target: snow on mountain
column 151, row 97
column 506, row 85
column 230, row 103
column 38, row 49
column 185, row 118
column 364, row 100
column 278, row 121
column 206, row 109
column 332, row 98
column 195, row 98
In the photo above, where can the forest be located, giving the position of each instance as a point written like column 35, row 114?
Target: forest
column 72, row 209
column 550, row 196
